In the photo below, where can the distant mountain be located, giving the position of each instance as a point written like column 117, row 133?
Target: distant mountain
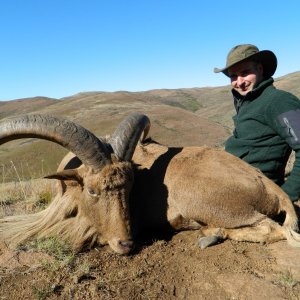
column 179, row 117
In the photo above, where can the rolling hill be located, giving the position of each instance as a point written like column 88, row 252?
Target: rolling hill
column 179, row 117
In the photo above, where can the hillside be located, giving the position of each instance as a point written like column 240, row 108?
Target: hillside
column 179, row 117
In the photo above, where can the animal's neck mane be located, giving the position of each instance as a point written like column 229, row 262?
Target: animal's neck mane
column 59, row 218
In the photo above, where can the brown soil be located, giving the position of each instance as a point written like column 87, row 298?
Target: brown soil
column 160, row 269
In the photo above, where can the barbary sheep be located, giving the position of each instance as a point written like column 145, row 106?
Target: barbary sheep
column 91, row 205
column 181, row 188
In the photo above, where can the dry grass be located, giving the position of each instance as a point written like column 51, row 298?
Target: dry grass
column 24, row 197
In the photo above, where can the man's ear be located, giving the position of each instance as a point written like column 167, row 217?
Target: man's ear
column 260, row 69
column 67, row 175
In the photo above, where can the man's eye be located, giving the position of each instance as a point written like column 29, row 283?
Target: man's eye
column 92, row 192
column 246, row 72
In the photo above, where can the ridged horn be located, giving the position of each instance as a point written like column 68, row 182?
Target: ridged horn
column 85, row 145
column 126, row 136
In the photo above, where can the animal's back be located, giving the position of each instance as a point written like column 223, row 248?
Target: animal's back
column 216, row 188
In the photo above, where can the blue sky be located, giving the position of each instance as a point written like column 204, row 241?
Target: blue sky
column 57, row 48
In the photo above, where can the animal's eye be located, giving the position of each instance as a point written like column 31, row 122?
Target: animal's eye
column 92, row 192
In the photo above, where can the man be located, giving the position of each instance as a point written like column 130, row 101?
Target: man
column 267, row 120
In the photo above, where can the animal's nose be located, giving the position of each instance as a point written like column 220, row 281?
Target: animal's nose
column 127, row 246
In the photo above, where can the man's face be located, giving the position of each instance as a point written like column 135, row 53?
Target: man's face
column 245, row 76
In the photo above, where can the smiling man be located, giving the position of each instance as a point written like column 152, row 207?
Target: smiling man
column 267, row 120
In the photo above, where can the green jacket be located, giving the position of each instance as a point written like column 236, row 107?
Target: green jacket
column 267, row 128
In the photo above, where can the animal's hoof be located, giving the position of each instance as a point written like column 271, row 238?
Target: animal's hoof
column 207, row 241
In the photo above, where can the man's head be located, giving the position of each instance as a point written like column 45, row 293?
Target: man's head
column 247, row 67
column 245, row 76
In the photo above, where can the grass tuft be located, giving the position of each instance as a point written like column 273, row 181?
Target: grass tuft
column 52, row 246
column 287, row 279
column 41, row 293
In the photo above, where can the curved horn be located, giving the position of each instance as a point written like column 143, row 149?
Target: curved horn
column 125, row 138
column 85, row 145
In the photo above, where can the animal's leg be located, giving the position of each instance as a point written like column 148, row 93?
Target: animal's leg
column 266, row 231
column 180, row 223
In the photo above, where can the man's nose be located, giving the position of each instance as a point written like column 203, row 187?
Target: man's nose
column 240, row 80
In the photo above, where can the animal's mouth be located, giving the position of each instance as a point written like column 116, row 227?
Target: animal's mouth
column 122, row 247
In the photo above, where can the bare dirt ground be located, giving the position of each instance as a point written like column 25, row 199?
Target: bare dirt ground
column 171, row 268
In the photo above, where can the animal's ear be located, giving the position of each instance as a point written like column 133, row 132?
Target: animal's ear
column 67, row 175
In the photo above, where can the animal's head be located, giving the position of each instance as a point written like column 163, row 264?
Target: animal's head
column 100, row 199
column 99, row 189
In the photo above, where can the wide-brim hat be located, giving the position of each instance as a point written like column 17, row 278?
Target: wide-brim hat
column 248, row 52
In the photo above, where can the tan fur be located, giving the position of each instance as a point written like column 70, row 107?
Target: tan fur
column 211, row 188
column 76, row 216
